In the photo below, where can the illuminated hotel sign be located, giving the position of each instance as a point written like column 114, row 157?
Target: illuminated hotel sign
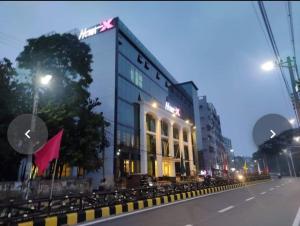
column 103, row 26
column 173, row 110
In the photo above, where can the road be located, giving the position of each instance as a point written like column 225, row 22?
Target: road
column 274, row 203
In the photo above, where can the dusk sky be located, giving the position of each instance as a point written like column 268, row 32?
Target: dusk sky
column 218, row 45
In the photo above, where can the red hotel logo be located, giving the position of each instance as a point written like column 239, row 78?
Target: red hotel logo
column 103, row 26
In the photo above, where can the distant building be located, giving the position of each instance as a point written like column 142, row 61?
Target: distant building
column 213, row 153
column 229, row 152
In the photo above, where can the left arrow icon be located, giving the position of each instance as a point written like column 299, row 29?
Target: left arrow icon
column 26, row 134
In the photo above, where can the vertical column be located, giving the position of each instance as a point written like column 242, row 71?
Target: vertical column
column 143, row 141
column 190, row 148
column 171, row 149
column 181, row 145
column 159, row 172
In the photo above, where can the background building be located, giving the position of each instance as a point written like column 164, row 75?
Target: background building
column 213, row 154
column 229, row 152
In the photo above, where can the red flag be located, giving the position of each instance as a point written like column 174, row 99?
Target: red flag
column 48, row 152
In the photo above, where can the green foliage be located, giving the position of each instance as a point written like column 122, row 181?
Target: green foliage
column 12, row 102
column 66, row 102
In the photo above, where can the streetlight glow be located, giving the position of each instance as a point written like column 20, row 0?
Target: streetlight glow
column 268, row 66
column 292, row 121
column 297, row 139
column 231, row 150
column 284, row 151
column 45, row 79
column 154, row 105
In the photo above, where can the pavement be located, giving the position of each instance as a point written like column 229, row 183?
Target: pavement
column 272, row 203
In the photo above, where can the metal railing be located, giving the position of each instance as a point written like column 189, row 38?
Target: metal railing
column 14, row 211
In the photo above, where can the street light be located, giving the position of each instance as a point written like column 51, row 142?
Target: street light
column 231, row 150
column 297, row 139
column 289, row 154
column 268, row 66
column 292, row 121
column 290, row 64
column 45, row 80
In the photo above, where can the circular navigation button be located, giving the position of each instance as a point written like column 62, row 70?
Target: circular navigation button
column 25, row 138
column 268, row 127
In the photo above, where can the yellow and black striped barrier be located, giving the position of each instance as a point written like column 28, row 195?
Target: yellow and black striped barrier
column 92, row 214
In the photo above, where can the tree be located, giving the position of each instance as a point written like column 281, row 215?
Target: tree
column 66, row 103
column 12, row 102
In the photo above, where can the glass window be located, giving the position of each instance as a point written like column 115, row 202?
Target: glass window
column 185, row 136
column 187, row 168
column 164, row 128
column 165, row 147
column 176, row 150
column 177, row 167
column 150, row 120
column 175, row 132
column 151, row 144
column 125, row 113
column 186, row 152
column 136, row 77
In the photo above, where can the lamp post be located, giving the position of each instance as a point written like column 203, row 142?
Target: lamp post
column 290, row 64
column 38, row 80
column 285, row 151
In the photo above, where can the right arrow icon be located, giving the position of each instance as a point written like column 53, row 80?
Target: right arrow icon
column 273, row 134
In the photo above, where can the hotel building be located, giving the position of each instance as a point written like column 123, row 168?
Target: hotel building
column 155, row 121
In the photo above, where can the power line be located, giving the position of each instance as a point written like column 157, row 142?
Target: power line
column 292, row 34
column 282, row 86
column 273, row 42
column 291, row 25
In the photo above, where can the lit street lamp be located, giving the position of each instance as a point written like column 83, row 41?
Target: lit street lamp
column 268, row 66
column 289, row 154
column 290, row 64
column 37, row 81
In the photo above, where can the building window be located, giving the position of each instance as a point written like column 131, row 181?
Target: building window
column 185, row 136
column 164, row 128
column 186, row 153
column 187, row 168
column 165, row 147
column 151, row 144
column 66, row 171
column 136, row 77
column 175, row 132
column 150, row 120
column 177, row 168
column 176, row 150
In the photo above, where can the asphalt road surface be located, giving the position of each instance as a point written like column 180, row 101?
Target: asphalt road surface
column 274, row 203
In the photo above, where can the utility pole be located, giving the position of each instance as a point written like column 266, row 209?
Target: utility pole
column 288, row 162
column 32, row 128
column 291, row 157
column 295, row 97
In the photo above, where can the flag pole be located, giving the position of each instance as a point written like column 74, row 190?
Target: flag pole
column 52, row 182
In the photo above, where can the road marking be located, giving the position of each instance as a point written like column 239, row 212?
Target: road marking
column 189, row 225
column 277, row 186
column 249, row 198
column 271, row 189
column 262, row 193
column 226, row 209
column 282, row 184
column 297, row 219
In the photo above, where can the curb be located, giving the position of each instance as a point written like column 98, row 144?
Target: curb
column 104, row 212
